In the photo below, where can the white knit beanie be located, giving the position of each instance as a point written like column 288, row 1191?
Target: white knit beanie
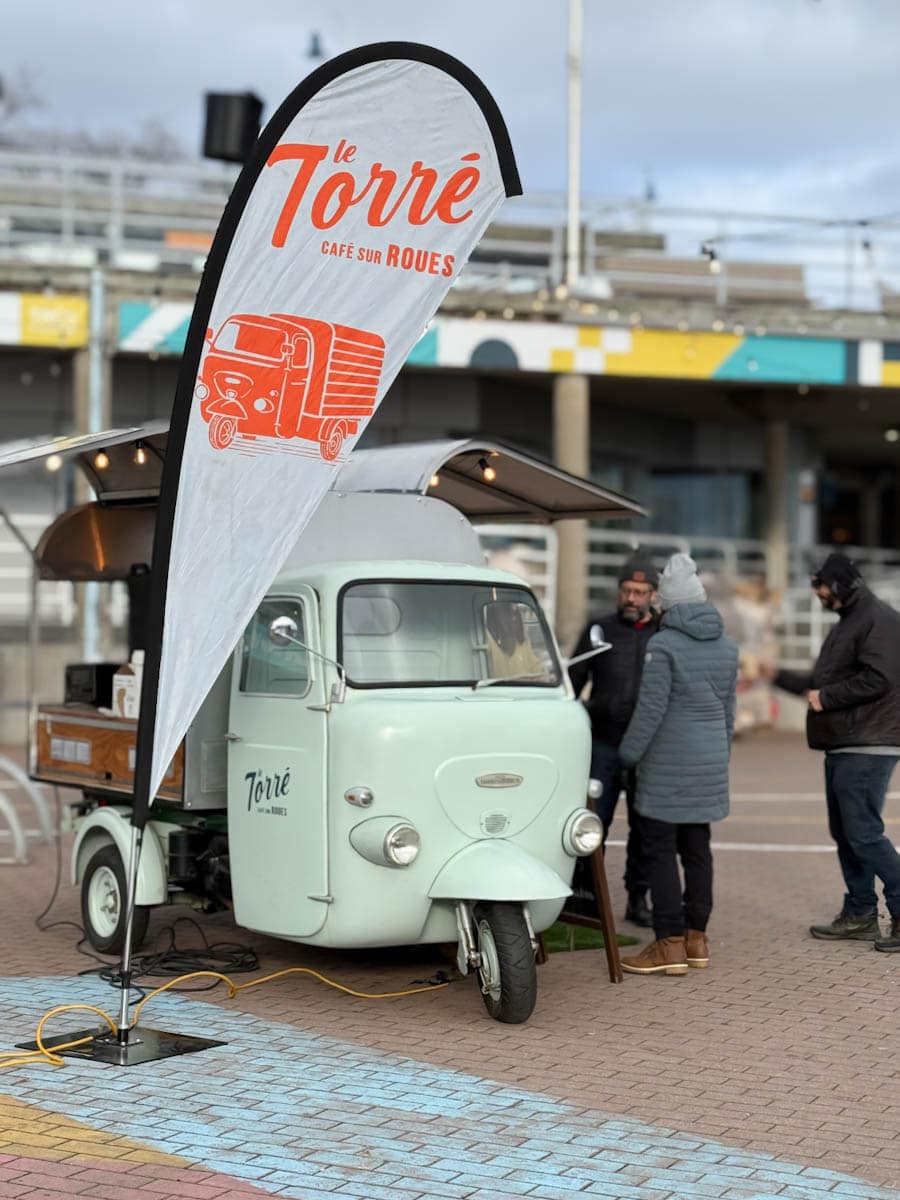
column 679, row 583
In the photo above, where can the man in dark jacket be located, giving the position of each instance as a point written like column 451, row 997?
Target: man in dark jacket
column 615, row 678
column 854, row 716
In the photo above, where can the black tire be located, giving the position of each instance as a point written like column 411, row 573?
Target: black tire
column 514, row 1000
column 105, row 872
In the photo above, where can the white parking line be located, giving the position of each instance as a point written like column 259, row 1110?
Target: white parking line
column 764, row 847
column 783, row 797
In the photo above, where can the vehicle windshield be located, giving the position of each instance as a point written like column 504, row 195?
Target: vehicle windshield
column 414, row 634
column 243, row 337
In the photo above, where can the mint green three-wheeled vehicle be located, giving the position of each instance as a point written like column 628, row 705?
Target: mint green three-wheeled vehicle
column 393, row 755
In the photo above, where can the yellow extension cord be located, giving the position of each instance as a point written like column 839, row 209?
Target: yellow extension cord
column 22, row 1058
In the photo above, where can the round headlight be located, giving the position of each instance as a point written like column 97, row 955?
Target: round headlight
column 201, row 391
column 401, row 845
column 583, row 833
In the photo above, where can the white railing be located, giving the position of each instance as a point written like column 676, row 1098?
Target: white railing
column 530, row 551
column 802, row 625
column 134, row 213
column 56, row 600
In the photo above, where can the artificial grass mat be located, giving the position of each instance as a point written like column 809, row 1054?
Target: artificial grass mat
column 580, row 937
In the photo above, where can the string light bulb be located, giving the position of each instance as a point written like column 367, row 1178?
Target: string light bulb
column 715, row 265
column 54, row 463
column 101, row 460
column 434, row 481
column 140, row 454
column 488, row 474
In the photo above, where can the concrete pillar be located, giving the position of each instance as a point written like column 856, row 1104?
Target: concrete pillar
column 572, row 452
column 807, row 510
column 777, row 458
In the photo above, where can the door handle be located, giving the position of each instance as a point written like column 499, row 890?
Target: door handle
column 233, row 737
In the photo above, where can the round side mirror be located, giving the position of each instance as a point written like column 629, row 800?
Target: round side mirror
column 595, row 634
column 283, row 631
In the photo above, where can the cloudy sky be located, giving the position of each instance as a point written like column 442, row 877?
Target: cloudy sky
column 769, row 105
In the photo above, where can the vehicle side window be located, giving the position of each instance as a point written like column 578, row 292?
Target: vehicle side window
column 274, row 667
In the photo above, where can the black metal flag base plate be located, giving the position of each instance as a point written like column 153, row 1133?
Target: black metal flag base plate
column 143, row 1045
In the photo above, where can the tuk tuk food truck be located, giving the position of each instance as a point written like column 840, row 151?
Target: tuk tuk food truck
column 393, row 754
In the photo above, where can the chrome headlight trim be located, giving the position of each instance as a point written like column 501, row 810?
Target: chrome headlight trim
column 401, row 844
column 583, row 833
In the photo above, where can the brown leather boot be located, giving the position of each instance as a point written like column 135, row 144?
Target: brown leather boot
column 697, row 948
column 663, row 957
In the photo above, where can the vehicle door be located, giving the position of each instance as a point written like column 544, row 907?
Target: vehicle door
column 277, row 829
column 292, row 404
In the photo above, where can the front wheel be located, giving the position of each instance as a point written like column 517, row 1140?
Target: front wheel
column 221, row 431
column 507, row 975
column 103, row 902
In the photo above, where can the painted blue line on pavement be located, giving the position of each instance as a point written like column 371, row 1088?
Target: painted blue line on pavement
column 299, row 1115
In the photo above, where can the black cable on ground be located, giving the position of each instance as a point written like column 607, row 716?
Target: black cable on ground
column 172, row 961
column 39, row 920
column 232, row 958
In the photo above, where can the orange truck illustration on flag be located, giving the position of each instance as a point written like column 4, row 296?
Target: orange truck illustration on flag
column 281, row 376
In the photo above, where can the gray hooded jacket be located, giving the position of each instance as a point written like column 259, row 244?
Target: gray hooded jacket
column 680, row 734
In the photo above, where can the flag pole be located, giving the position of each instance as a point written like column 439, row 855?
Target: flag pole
column 124, row 1024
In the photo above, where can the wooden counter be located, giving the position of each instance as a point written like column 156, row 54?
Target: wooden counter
column 82, row 746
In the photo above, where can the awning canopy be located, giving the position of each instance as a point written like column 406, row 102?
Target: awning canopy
column 93, row 541
column 122, row 465
column 486, row 480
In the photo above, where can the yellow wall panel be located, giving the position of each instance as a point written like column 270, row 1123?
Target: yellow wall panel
column 589, row 337
column 667, row 354
column 562, row 360
column 54, row 320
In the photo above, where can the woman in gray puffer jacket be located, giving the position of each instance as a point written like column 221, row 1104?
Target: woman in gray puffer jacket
column 680, row 739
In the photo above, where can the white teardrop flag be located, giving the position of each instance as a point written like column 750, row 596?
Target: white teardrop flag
column 362, row 201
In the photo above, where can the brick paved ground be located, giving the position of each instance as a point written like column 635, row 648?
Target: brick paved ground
column 783, row 1048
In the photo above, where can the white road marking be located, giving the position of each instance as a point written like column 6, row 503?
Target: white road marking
column 783, row 797
column 764, row 847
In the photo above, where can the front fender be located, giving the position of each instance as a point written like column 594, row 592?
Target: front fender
column 112, row 826
column 497, row 870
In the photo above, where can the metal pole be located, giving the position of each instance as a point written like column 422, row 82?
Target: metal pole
column 777, row 437
column 125, row 967
column 34, row 634
column 573, row 231
column 90, row 611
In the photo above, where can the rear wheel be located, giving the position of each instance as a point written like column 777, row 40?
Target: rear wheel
column 507, row 975
column 332, row 442
column 103, row 901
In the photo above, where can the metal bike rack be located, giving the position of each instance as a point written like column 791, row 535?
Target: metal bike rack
column 46, row 831
column 20, row 846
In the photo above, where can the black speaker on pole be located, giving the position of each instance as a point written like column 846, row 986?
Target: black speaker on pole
column 232, row 125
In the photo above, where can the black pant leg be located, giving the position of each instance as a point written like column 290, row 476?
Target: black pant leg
column 661, row 849
column 697, row 863
column 636, row 875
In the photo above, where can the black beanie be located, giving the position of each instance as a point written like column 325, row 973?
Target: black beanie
column 640, row 568
column 840, row 574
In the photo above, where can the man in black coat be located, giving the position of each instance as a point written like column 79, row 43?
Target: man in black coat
column 615, row 678
column 854, row 716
